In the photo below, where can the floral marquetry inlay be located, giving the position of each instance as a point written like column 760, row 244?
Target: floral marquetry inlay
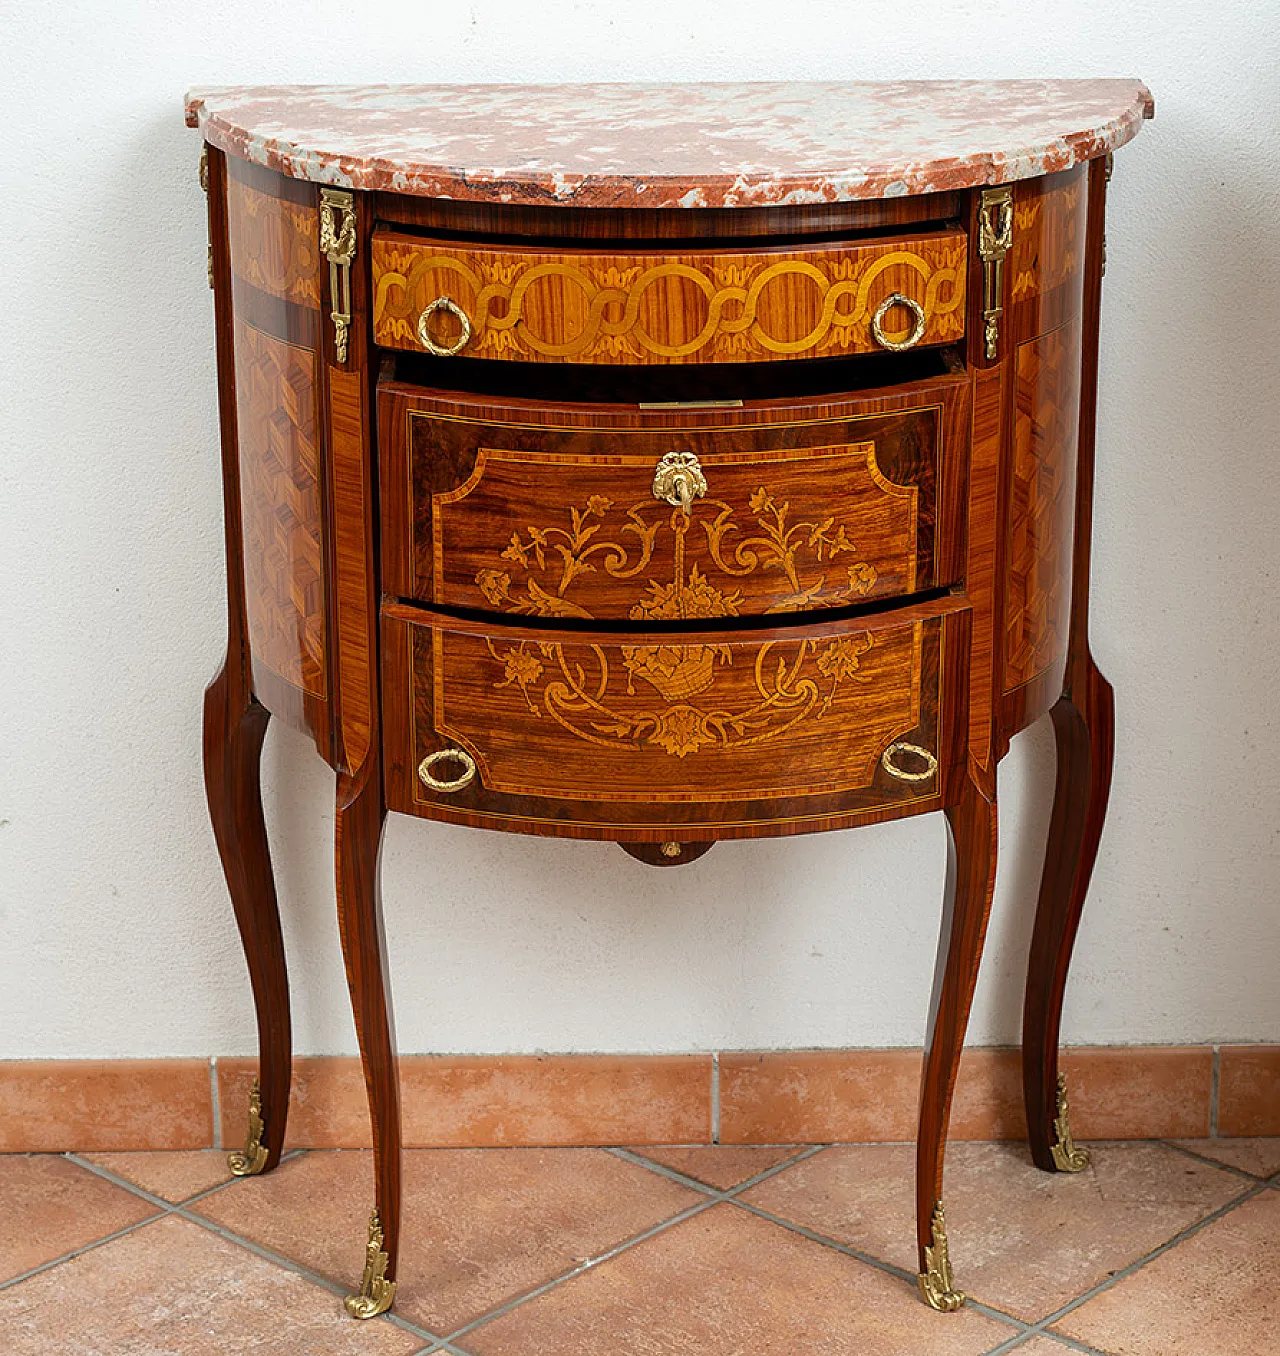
column 791, row 684
column 805, row 553
column 580, row 307
column 1048, row 237
column 818, row 559
column 649, row 717
column 274, row 244
column 507, row 540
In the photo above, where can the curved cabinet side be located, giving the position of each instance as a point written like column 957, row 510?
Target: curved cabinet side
column 276, row 284
column 1048, row 260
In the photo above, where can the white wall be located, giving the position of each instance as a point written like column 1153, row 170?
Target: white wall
column 116, row 936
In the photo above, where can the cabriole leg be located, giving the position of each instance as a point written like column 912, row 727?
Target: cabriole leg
column 971, row 863
column 1084, row 725
column 234, row 728
column 361, row 813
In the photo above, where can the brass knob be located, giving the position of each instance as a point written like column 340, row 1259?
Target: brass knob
column 424, row 335
column 887, row 305
column 889, row 761
column 678, row 479
column 447, row 783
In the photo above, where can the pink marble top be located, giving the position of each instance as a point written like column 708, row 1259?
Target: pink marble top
column 712, row 145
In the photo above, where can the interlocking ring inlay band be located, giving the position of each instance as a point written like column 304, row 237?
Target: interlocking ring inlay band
column 424, row 334
column 451, row 756
column 888, row 760
column 887, row 305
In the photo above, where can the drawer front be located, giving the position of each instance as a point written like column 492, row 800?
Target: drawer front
column 645, row 307
column 795, row 506
column 645, row 734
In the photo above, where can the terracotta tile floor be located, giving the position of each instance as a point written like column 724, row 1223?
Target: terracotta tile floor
column 1157, row 1250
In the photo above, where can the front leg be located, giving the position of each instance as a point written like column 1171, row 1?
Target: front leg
column 361, row 813
column 1084, row 724
column 971, row 867
column 234, row 727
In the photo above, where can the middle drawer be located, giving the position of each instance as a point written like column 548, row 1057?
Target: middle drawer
column 610, row 512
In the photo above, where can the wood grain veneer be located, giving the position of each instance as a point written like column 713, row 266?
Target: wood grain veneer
column 660, row 306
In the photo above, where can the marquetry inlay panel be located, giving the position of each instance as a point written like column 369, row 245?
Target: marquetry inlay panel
column 1041, row 507
column 643, row 719
column 547, row 536
column 1049, row 221
column 280, row 506
column 748, row 306
column 275, row 244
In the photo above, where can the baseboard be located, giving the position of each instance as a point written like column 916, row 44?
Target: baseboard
column 793, row 1097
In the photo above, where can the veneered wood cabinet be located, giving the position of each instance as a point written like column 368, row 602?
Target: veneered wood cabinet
column 663, row 494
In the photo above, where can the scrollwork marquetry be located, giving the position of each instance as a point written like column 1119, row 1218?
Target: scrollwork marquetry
column 790, row 683
column 578, row 529
column 697, row 308
column 273, row 244
column 1048, row 240
column 624, row 542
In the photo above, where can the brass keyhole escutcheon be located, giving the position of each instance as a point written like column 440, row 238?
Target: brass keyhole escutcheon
column 917, row 329
column 426, row 770
column 678, row 479
column 424, row 331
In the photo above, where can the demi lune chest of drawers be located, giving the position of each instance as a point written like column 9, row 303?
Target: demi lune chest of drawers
column 660, row 465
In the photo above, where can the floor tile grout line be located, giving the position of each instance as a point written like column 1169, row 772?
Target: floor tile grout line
column 279, row 1259
column 1123, row 1273
column 316, row 1278
column 1213, row 1162
column 721, row 1193
column 661, row 1170
column 730, row 1196
column 80, row 1251
column 871, row 1260
column 117, row 1180
column 1022, row 1339
column 589, row 1265
column 801, row 1156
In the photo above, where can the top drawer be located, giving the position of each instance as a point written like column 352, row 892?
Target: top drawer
column 651, row 306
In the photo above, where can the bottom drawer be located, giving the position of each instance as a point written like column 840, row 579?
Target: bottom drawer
column 700, row 734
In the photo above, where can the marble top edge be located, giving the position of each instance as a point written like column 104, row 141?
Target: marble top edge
column 672, row 145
